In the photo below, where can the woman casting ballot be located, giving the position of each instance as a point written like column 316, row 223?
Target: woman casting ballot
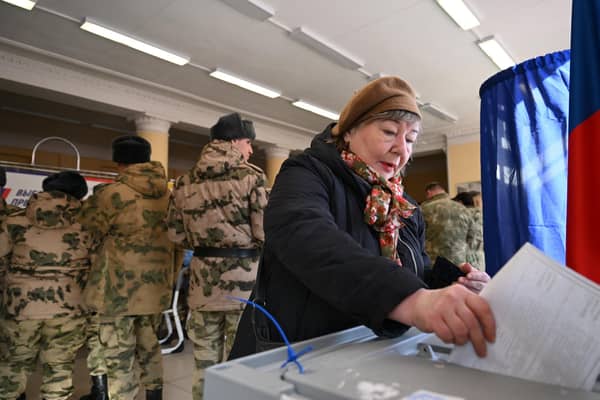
column 344, row 246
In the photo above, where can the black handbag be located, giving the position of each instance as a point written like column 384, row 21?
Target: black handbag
column 260, row 322
column 444, row 273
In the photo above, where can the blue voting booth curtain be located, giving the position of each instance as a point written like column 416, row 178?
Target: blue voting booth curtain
column 524, row 136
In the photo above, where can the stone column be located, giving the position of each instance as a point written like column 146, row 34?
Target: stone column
column 156, row 131
column 275, row 156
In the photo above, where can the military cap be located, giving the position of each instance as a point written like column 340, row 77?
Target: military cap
column 231, row 127
column 131, row 149
column 69, row 182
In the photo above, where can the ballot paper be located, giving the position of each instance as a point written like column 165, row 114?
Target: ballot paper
column 548, row 323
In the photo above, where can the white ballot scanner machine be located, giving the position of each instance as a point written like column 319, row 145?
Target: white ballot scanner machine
column 356, row 364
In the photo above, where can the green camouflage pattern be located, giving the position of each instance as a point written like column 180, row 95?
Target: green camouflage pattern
column 132, row 257
column 49, row 260
column 5, row 210
column 54, row 342
column 448, row 224
column 122, row 338
column 219, row 203
column 475, row 253
column 95, row 359
column 212, row 333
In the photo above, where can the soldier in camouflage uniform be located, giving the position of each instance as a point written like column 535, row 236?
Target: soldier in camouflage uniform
column 95, row 359
column 217, row 209
column 131, row 277
column 448, row 225
column 475, row 254
column 49, row 263
column 5, row 210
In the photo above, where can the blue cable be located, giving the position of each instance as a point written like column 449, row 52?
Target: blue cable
column 292, row 355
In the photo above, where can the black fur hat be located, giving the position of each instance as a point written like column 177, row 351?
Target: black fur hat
column 231, row 127
column 69, row 182
column 131, row 150
column 2, row 176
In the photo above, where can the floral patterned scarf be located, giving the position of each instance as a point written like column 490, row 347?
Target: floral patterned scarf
column 385, row 205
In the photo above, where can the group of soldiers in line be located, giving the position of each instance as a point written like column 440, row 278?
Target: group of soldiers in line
column 454, row 226
column 100, row 271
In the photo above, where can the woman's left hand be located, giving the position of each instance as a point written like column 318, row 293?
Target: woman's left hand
column 474, row 280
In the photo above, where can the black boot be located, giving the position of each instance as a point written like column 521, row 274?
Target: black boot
column 21, row 397
column 99, row 389
column 155, row 394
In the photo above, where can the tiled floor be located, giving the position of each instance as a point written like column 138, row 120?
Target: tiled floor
column 178, row 369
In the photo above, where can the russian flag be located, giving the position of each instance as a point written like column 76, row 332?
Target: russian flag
column 583, row 196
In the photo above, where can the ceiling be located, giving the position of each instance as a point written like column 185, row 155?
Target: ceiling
column 414, row 39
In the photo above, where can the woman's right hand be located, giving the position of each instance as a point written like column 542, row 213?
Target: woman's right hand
column 454, row 314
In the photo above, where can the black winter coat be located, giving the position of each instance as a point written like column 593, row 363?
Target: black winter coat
column 322, row 267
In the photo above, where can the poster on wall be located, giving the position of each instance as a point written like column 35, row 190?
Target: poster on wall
column 22, row 182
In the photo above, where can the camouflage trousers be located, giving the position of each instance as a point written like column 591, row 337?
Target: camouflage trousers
column 55, row 341
column 125, row 340
column 3, row 334
column 95, row 359
column 212, row 333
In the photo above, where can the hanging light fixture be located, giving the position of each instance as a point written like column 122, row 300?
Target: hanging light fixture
column 316, row 110
column 460, row 13
column 243, row 83
column 110, row 34
column 494, row 50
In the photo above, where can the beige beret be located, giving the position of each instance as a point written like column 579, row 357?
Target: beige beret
column 383, row 94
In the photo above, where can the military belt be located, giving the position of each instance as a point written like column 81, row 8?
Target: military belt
column 233, row 252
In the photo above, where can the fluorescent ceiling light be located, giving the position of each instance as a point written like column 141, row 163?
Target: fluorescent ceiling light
column 253, row 87
column 252, row 8
column 110, row 34
column 26, row 4
column 496, row 52
column 328, row 50
column 317, row 110
column 438, row 112
column 460, row 13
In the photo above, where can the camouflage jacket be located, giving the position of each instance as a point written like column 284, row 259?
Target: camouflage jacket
column 219, row 203
column 448, row 225
column 5, row 210
column 48, row 258
column 132, row 257
column 475, row 254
